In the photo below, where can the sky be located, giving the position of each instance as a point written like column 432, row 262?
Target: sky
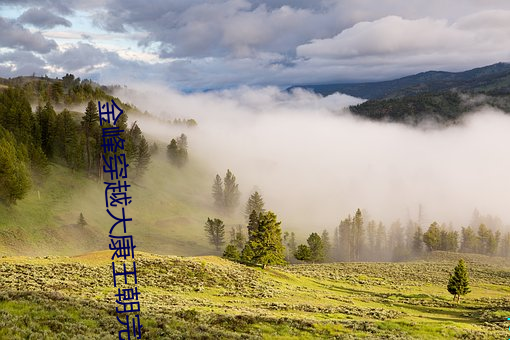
column 193, row 45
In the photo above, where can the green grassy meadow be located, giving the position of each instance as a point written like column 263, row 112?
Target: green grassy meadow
column 212, row 298
column 49, row 291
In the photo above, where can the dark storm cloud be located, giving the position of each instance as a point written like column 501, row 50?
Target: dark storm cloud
column 220, row 28
column 16, row 36
column 42, row 18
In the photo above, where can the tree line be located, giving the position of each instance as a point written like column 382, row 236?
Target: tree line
column 357, row 240
column 354, row 239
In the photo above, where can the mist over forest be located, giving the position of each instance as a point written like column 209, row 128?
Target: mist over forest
column 315, row 163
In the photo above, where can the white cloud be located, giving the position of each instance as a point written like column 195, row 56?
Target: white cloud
column 427, row 41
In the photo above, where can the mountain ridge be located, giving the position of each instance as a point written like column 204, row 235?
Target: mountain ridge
column 491, row 78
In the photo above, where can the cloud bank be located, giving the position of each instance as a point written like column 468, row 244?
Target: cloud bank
column 315, row 163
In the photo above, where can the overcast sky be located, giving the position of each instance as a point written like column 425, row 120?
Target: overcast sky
column 196, row 45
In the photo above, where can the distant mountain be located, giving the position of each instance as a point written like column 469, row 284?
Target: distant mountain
column 493, row 79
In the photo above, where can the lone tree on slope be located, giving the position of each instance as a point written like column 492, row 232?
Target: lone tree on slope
column 458, row 284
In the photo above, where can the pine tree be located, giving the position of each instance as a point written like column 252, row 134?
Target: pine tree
column 357, row 234
column 381, row 240
column 81, row 220
column 255, row 203
column 237, row 237
column 89, row 123
column 182, row 145
column 289, row 240
column 217, row 193
column 505, row 245
column 154, row 148
column 247, row 254
column 142, row 158
column 67, row 138
column 418, row 241
column 14, row 175
column 172, row 152
column 316, row 247
column 253, row 225
column 133, row 139
column 266, row 241
column 215, row 230
column 231, row 192
column 345, row 232
column 46, row 118
column 232, row 253
column 336, row 245
column 432, row 237
column 177, row 151
column 303, row 253
column 470, row 243
column 458, row 284
column 371, row 238
column 326, row 243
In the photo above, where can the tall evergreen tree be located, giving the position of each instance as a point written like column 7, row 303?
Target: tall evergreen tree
column 458, row 283
column 14, row 175
column 316, row 247
column 357, row 233
column 133, row 140
column 326, row 243
column 237, row 237
column 303, row 253
column 381, row 246
column 255, row 203
column 230, row 192
column 418, row 241
column 67, row 138
column 46, row 117
column 217, row 193
column 289, row 240
column 247, row 254
column 215, row 231
column 432, row 237
column 336, row 245
column 142, row 158
column 89, row 123
column 487, row 240
column 266, row 241
column 177, row 151
column 345, row 231
column 253, row 225
column 371, row 239
column 16, row 114
column 469, row 241
column 505, row 245
column 232, row 253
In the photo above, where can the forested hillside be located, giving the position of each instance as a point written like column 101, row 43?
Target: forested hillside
column 51, row 178
column 443, row 97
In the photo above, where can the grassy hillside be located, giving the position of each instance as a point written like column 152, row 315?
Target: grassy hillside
column 169, row 209
column 211, row 298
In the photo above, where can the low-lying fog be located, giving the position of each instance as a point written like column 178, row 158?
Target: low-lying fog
column 315, row 163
